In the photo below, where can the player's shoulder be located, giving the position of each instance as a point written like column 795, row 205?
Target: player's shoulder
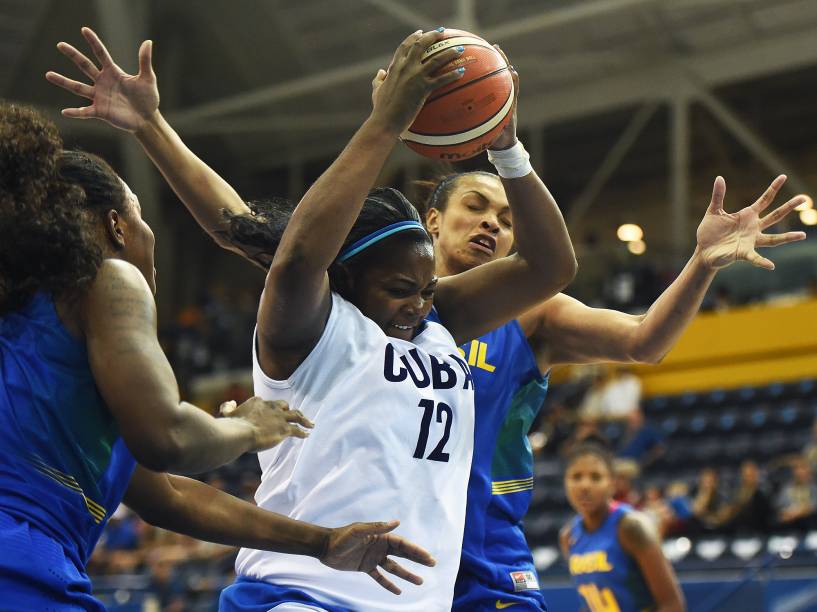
column 114, row 274
column 117, row 284
column 636, row 531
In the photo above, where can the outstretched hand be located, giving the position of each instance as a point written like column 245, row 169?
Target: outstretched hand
column 365, row 547
column 724, row 238
column 125, row 101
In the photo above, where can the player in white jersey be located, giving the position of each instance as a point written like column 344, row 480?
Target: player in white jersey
column 343, row 334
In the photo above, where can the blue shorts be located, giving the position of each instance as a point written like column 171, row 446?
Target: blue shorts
column 470, row 595
column 250, row 595
column 37, row 574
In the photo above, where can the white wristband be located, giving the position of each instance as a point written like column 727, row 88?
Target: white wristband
column 511, row 163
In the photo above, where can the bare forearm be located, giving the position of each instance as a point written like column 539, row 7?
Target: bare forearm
column 198, row 186
column 206, row 513
column 205, row 443
column 328, row 210
column 540, row 233
column 669, row 316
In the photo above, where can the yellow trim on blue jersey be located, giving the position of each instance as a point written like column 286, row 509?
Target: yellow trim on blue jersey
column 96, row 510
column 501, row 487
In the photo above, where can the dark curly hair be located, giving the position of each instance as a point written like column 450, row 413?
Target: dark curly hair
column 259, row 232
column 47, row 202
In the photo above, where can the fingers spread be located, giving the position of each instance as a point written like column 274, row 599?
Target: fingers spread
column 297, row 432
column 146, row 58
column 97, row 47
column 427, row 39
column 772, row 240
column 384, row 582
column 377, row 528
column 756, row 259
column 446, row 78
column 81, row 89
column 780, row 212
column 86, row 112
column 85, row 65
column 768, row 196
column 296, row 416
column 718, row 193
column 440, row 59
column 403, row 548
column 401, row 572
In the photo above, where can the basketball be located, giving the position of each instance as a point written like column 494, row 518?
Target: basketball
column 461, row 119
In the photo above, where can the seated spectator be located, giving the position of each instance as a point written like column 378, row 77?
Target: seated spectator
column 680, row 506
column 118, row 550
column 797, row 501
column 556, row 425
column 750, row 509
column 584, row 429
column 641, row 442
column 707, row 505
column 657, row 509
column 810, row 449
column 614, row 395
column 625, row 471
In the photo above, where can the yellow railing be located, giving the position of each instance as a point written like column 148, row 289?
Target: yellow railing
column 743, row 346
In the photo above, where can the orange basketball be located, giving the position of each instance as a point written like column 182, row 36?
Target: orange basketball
column 462, row 118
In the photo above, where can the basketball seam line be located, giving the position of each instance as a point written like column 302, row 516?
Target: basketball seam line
column 477, row 80
column 455, row 133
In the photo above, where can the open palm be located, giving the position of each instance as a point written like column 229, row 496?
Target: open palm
column 121, row 99
column 363, row 547
column 724, row 238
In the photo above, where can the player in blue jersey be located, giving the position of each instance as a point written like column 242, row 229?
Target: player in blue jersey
column 86, row 391
column 469, row 218
column 613, row 551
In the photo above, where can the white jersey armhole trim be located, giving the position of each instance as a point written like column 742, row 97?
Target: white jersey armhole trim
column 331, row 323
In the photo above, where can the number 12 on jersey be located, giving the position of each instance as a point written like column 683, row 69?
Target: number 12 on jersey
column 438, row 453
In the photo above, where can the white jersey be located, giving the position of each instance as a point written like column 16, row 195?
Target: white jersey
column 393, row 438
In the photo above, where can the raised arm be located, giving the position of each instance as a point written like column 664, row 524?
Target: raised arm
column 639, row 540
column 131, row 103
column 198, row 510
column 485, row 297
column 563, row 330
column 296, row 299
column 138, row 386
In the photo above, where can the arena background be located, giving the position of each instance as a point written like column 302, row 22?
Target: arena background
column 629, row 109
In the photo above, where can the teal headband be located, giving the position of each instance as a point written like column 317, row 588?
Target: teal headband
column 375, row 237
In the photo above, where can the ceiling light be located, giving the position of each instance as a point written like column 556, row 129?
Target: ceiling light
column 637, row 247
column 808, row 216
column 629, row 232
column 809, row 203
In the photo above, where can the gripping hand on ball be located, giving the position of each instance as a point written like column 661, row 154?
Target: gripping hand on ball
column 399, row 92
column 124, row 100
column 724, row 238
column 507, row 137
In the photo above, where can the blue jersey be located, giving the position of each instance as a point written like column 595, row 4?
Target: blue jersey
column 496, row 564
column 606, row 577
column 63, row 467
